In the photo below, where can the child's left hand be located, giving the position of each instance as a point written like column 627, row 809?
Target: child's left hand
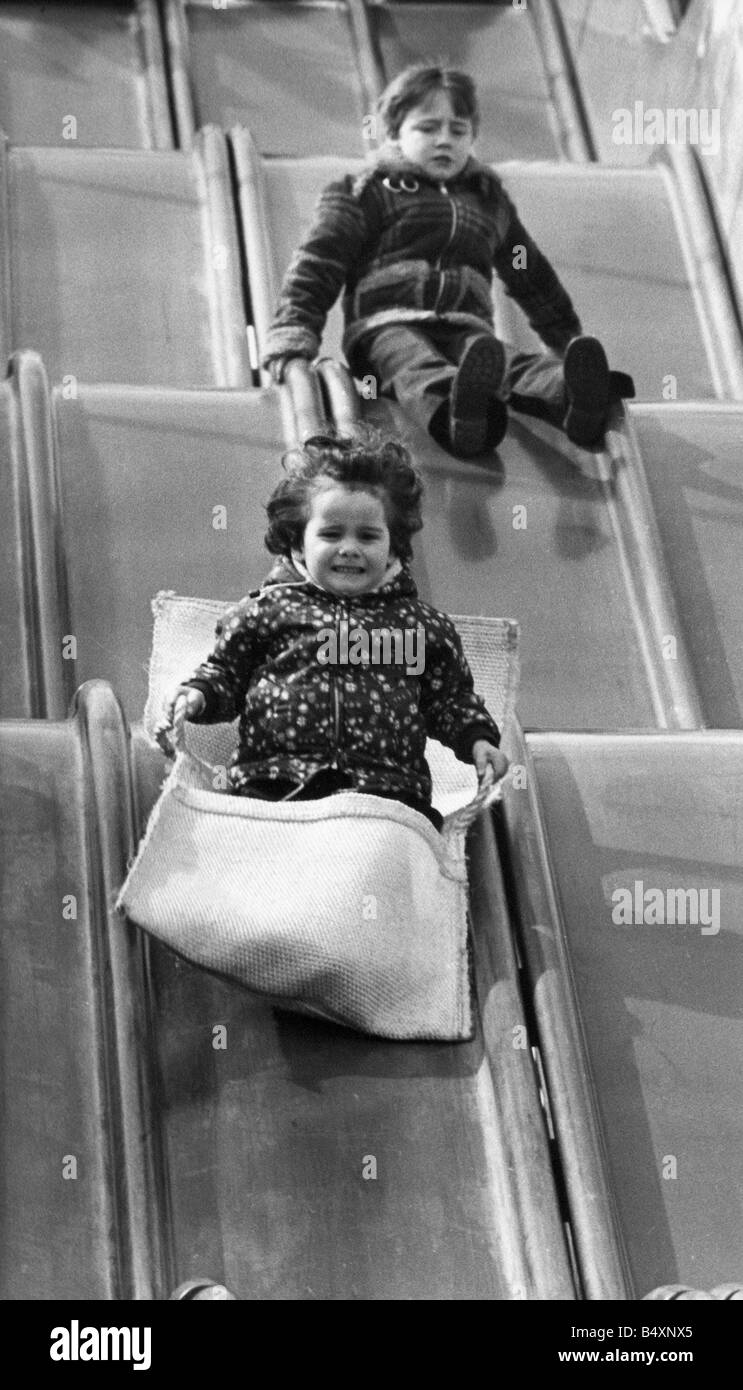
column 488, row 760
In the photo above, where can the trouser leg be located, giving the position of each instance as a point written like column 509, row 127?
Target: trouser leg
column 573, row 394
column 534, row 385
column 447, row 377
column 411, row 367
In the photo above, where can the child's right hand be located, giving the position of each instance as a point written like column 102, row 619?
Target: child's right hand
column 185, row 703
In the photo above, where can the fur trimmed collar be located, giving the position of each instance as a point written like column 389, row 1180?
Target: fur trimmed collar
column 389, row 162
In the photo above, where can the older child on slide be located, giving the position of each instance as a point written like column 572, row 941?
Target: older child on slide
column 412, row 243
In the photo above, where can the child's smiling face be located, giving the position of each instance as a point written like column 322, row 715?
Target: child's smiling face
column 432, row 136
column 346, row 544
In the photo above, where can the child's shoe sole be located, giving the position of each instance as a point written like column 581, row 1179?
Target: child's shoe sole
column 586, row 373
column 478, row 379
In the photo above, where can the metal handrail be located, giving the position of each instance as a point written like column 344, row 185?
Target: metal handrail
column 137, row 1182
column 48, row 615
column 572, row 123
column 595, row 1225
column 533, row 1251
column 226, row 309
column 717, row 307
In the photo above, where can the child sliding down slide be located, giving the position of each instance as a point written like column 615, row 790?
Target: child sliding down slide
column 412, row 243
column 335, row 667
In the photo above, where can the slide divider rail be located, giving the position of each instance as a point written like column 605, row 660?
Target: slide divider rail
column 179, row 71
column 159, row 119
column 533, row 1251
column 672, row 684
column 6, row 282
column 594, row 1221
column 226, row 309
column 368, row 61
column 50, row 663
column 344, row 405
column 137, row 1185
column 712, row 286
column 572, row 126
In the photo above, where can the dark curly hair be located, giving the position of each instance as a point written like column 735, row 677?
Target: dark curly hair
column 416, row 83
column 366, row 461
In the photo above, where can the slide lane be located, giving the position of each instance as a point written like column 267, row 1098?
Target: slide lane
column 301, row 1161
column 86, row 74
column 231, row 66
column 614, row 238
column 268, row 1141
column 264, row 64
column 459, row 1130
column 628, row 822
column 692, row 463
column 532, row 538
column 616, row 54
column 84, row 1212
column 185, row 513
column 123, row 265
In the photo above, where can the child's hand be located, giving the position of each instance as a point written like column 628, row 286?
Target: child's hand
column 185, row 703
column 490, row 763
column 278, row 365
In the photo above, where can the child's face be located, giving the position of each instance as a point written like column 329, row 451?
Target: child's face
column 346, row 545
column 432, row 136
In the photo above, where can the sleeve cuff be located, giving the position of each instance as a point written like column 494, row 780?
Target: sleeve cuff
column 470, row 736
column 211, row 700
column 290, row 341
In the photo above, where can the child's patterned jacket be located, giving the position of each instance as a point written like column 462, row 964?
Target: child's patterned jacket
column 299, row 713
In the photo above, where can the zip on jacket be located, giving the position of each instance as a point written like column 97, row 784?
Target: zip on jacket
column 338, row 757
column 440, row 258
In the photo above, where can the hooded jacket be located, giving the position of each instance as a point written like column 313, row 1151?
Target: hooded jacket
column 404, row 247
column 289, row 661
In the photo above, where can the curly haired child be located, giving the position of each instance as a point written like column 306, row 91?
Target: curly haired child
column 412, row 243
column 336, row 668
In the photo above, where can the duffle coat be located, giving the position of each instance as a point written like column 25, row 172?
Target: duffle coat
column 299, row 713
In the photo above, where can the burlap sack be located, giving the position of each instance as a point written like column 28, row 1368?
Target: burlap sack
column 353, row 907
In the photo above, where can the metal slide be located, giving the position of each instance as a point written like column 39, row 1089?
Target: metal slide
column 692, row 462
column 263, row 65
column 157, row 1159
column 308, row 1228
column 84, row 75
column 123, row 265
column 502, row 1173
column 625, row 877
column 84, row 1206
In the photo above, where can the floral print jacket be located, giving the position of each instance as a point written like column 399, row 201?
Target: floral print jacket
column 316, row 685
